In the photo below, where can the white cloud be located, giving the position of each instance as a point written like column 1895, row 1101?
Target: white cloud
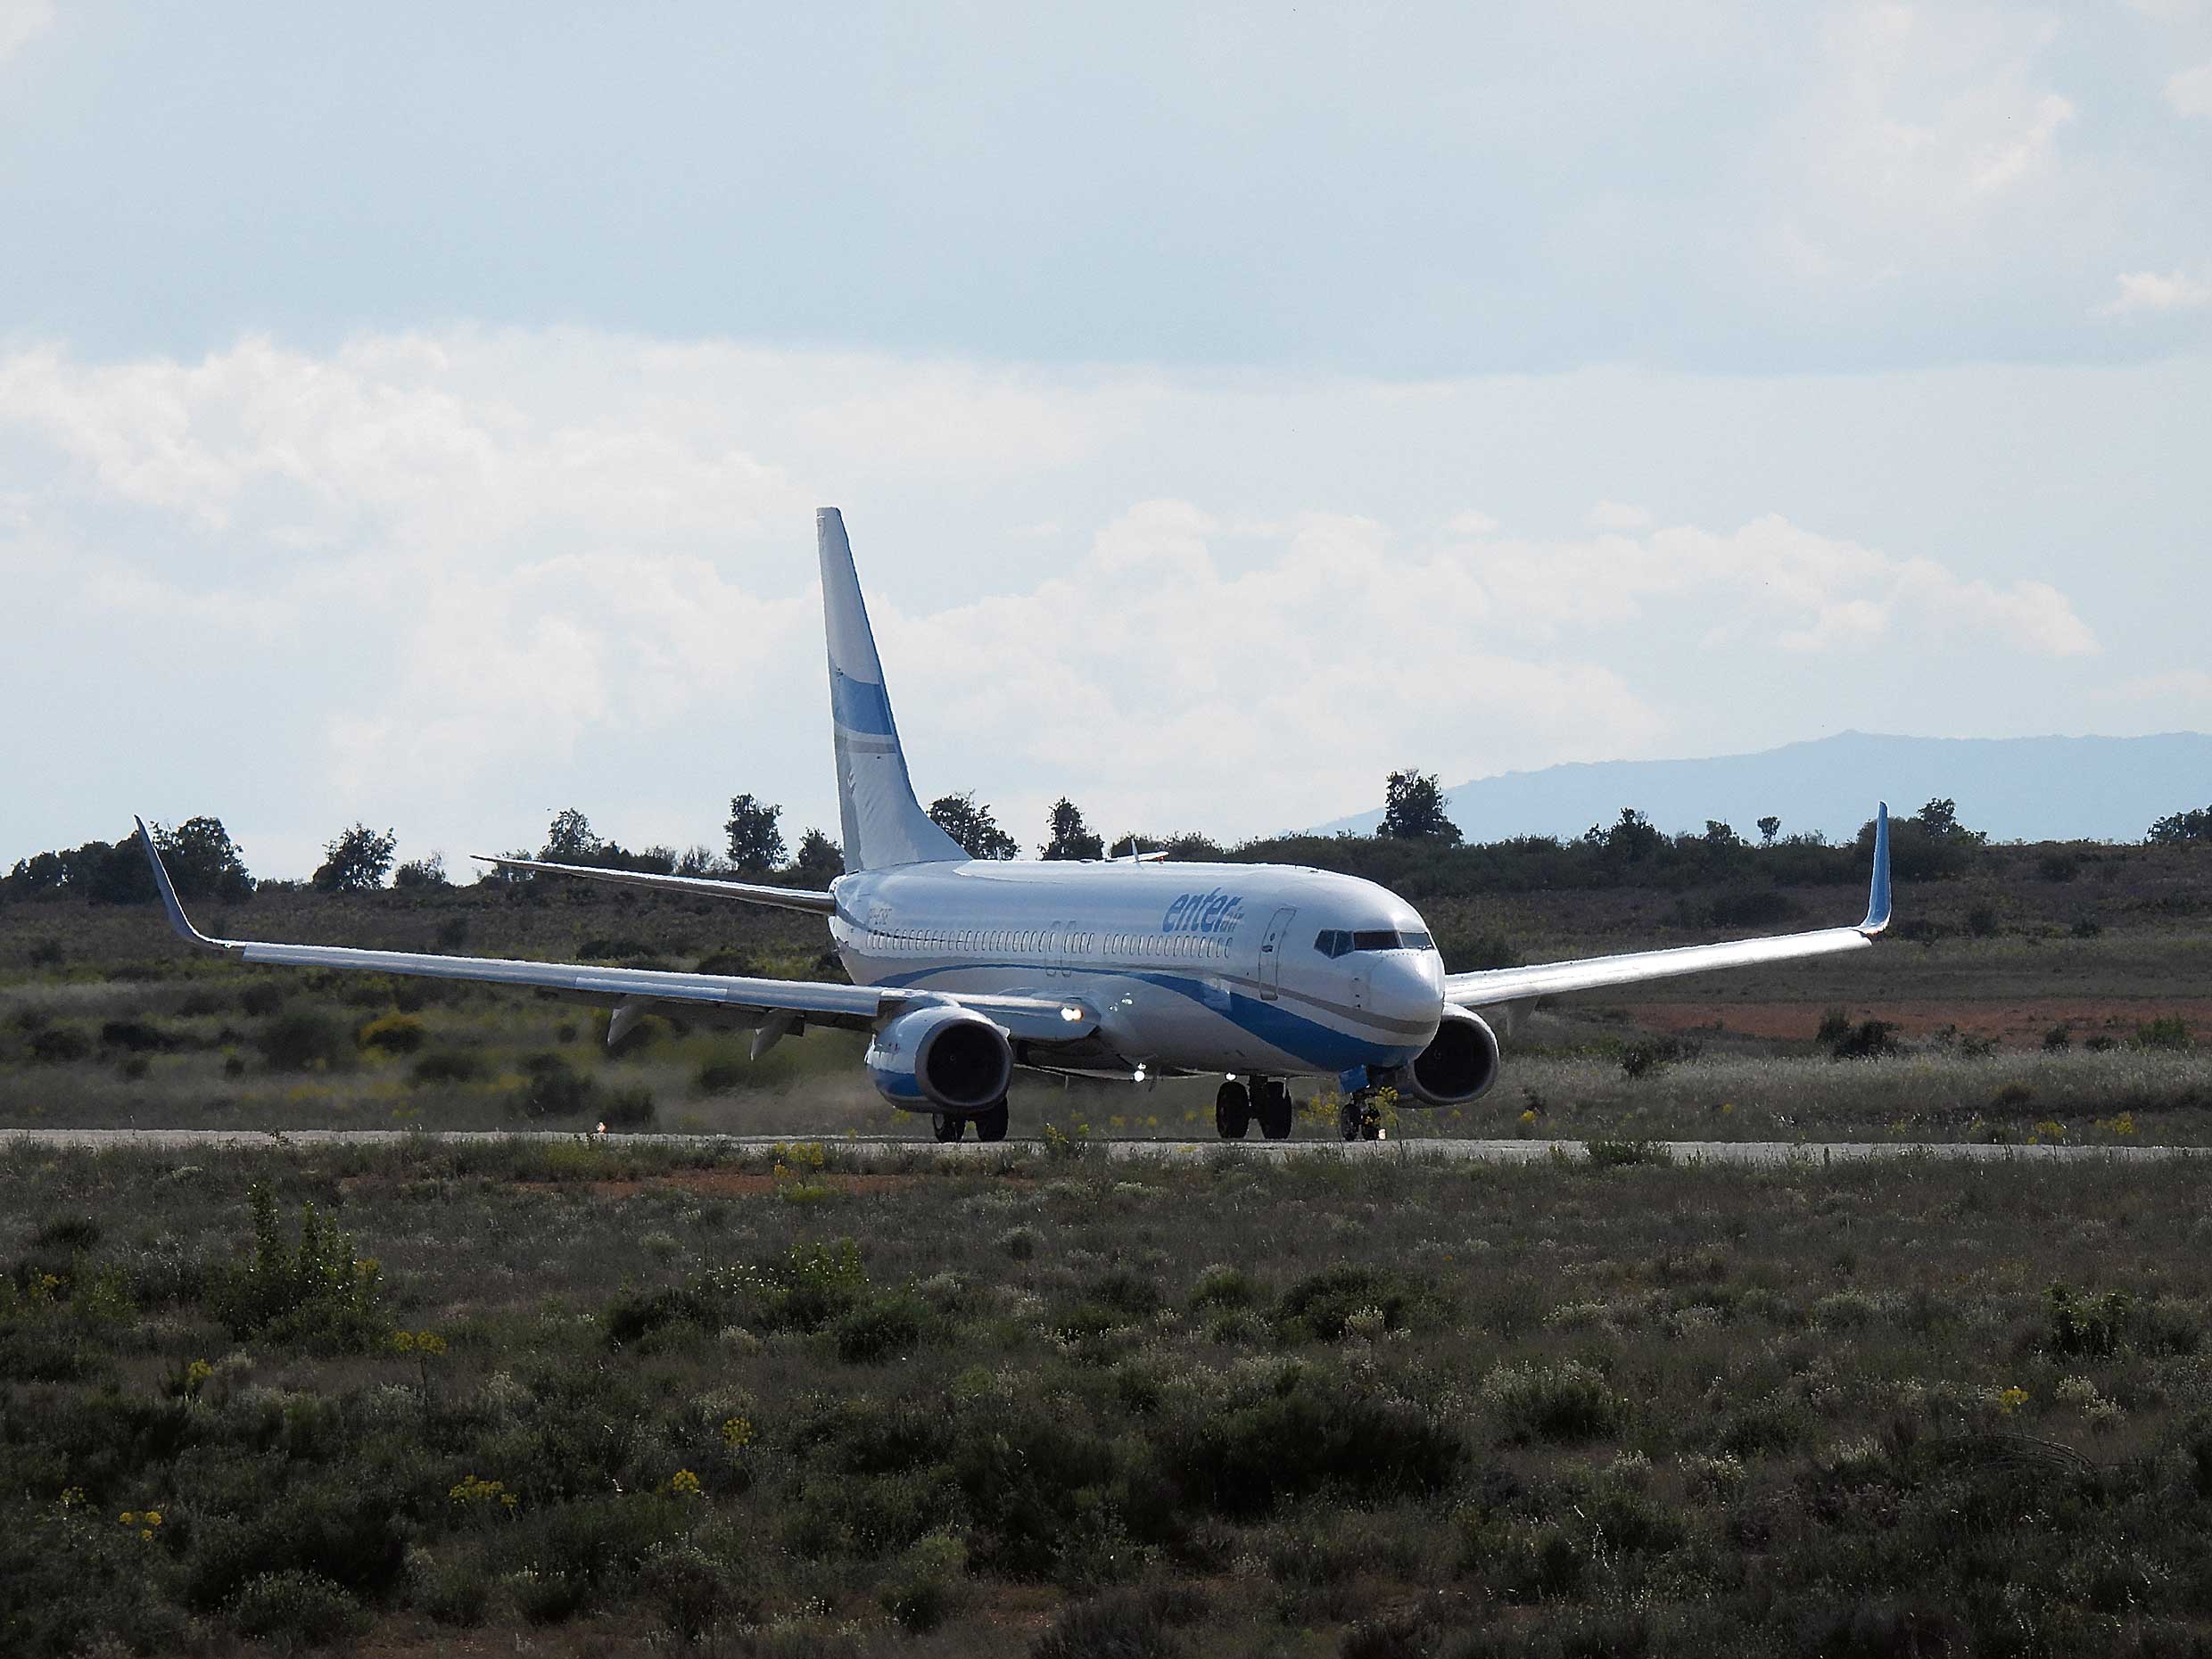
column 454, row 583
column 20, row 20
column 2155, row 292
column 2190, row 92
column 1615, row 516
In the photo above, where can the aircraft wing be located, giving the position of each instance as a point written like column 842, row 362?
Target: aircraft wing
column 750, row 893
column 1492, row 986
column 814, row 1003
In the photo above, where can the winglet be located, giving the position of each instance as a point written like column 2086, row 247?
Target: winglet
column 168, row 890
column 1877, row 895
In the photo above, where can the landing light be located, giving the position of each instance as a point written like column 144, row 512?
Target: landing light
column 1140, row 1076
column 1071, row 1014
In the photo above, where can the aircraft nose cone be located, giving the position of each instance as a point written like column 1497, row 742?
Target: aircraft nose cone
column 1408, row 985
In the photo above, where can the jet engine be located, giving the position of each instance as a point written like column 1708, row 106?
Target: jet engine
column 941, row 1059
column 1459, row 1064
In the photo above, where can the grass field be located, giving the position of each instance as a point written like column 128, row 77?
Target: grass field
column 597, row 1397
column 105, row 1020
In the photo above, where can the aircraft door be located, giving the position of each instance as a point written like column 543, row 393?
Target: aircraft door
column 1271, row 953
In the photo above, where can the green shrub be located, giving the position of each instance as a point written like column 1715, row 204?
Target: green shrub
column 1565, row 1401
column 394, row 1034
column 1222, row 1285
column 2083, row 1324
column 292, row 1606
column 1020, row 1244
column 2169, row 1031
column 1641, row 1059
column 136, row 1037
column 317, row 1292
column 887, row 1326
column 693, row 1591
column 721, row 1077
column 58, row 1044
column 1121, row 1624
column 920, row 1589
column 553, row 1088
column 628, row 1108
column 1320, row 1307
column 1312, row 1431
column 261, row 998
column 1869, row 1039
column 448, row 1065
column 305, row 1038
column 1619, row 1154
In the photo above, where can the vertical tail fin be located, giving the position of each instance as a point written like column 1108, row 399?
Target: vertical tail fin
column 883, row 823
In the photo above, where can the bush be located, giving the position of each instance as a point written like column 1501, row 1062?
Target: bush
column 2167, row 1032
column 693, row 1591
column 630, row 1108
column 1870, row 1039
column 1122, row 1624
column 261, row 999
column 136, row 1036
column 305, row 1039
column 887, row 1326
column 553, row 1088
column 296, row 1606
column 318, row 1292
column 1566, row 1401
column 395, row 1033
column 1622, row 1153
column 448, row 1065
column 1308, row 1432
column 1639, row 1060
column 58, row 1044
column 919, row 1593
column 1320, row 1307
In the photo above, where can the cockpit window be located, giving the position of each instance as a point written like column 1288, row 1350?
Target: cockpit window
column 1336, row 941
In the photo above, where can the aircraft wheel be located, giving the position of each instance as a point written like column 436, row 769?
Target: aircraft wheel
column 1347, row 1117
column 1275, row 1111
column 990, row 1126
column 1233, row 1111
column 948, row 1127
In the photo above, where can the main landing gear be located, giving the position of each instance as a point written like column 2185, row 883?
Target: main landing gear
column 1359, row 1118
column 990, row 1124
column 1267, row 1099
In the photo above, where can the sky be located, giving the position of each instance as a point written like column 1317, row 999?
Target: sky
column 416, row 417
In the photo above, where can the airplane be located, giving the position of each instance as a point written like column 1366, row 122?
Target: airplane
column 966, row 970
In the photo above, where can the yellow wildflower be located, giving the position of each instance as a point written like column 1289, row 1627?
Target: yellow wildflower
column 684, row 1483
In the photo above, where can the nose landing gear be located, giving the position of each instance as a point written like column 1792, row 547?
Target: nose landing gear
column 1267, row 1099
column 1359, row 1119
column 990, row 1124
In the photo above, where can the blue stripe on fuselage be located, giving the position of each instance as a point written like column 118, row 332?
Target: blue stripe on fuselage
column 1322, row 1047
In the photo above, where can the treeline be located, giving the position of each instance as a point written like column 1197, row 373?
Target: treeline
column 1417, row 850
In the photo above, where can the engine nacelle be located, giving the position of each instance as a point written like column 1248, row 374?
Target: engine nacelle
column 939, row 1058
column 1459, row 1064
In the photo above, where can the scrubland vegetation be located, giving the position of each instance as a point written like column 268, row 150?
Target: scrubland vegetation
column 601, row 1397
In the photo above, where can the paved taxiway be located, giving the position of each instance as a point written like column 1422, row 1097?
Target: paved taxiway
column 873, row 1147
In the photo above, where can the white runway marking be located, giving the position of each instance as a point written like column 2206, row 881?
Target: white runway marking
column 878, row 1147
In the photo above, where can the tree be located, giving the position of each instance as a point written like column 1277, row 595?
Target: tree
column 202, row 861
column 1413, row 809
column 820, row 860
column 699, row 861
column 569, row 839
column 1071, row 837
column 1629, row 836
column 357, row 862
column 1769, row 827
column 2181, row 829
column 1939, row 822
column 755, row 843
column 418, row 873
column 1721, row 837
column 969, row 822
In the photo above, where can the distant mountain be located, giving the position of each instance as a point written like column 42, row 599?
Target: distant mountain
column 2017, row 788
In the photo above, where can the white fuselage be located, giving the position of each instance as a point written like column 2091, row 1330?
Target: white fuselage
column 1259, row 968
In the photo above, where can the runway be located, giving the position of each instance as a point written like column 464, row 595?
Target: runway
column 872, row 1148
